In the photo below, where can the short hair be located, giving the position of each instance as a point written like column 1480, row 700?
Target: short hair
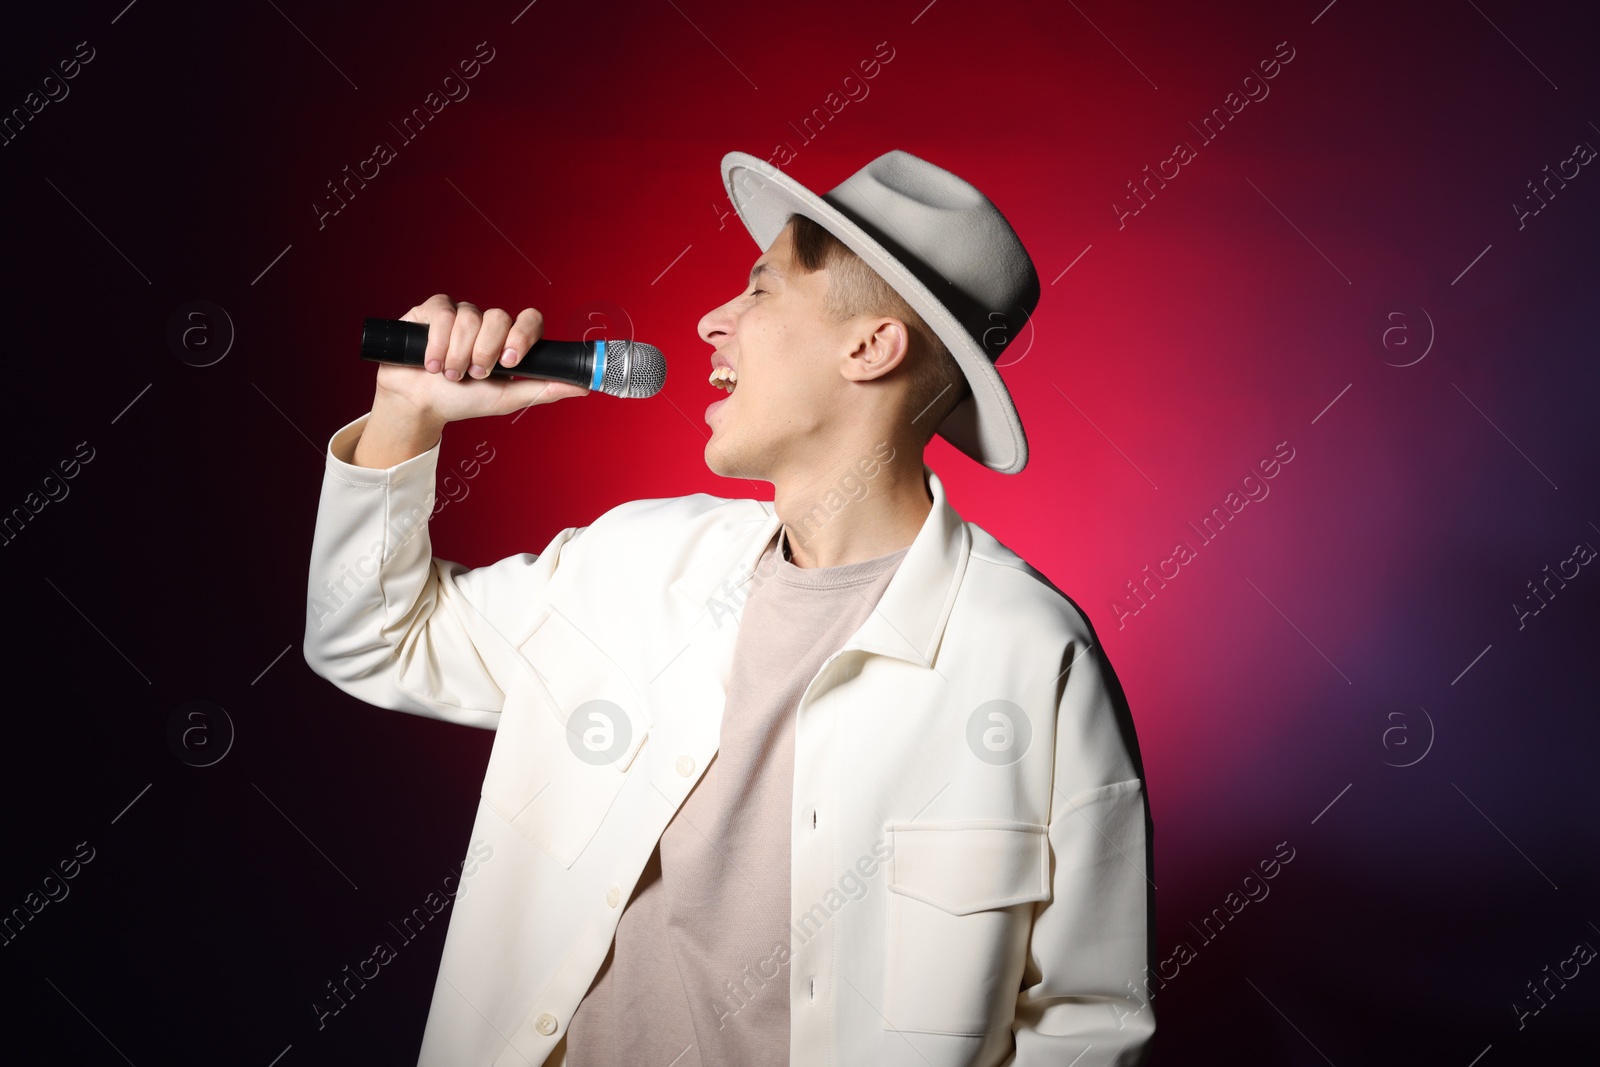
column 937, row 383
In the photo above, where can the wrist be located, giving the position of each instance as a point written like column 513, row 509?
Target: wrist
column 395, row 431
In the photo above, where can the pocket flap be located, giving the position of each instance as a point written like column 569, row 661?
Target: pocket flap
column 570, row 729
column 963, row 867
column 576, row 677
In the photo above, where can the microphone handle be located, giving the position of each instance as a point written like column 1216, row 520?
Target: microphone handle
column 403, row 342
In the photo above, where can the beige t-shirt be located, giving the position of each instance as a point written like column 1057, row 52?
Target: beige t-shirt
column 696, row 976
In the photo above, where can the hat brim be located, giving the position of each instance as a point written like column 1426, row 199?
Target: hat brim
column 985, row 425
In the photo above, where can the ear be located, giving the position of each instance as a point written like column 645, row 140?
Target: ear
column 881, row 345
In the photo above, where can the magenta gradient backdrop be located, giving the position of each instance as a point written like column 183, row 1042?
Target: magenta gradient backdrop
column 1341, row 268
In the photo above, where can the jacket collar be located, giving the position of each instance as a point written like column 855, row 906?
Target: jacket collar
column 910, row 617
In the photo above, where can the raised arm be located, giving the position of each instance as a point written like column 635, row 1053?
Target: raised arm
column 385, row 620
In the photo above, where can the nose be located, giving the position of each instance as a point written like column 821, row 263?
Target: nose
column 715, row 324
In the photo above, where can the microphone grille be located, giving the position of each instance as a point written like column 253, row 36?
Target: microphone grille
column 633, row 369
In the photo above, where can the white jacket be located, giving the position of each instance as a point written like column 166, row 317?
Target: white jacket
column 969, row 825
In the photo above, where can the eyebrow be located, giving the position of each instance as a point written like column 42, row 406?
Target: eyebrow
column 764, row 268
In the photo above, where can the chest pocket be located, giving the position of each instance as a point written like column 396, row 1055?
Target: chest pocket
column 570, row 728
column 961, row 900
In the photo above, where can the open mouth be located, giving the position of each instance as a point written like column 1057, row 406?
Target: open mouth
column 725, row 377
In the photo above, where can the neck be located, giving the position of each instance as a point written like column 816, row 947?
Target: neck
column 834, row 517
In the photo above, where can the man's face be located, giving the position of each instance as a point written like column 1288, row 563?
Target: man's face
column 787, row 354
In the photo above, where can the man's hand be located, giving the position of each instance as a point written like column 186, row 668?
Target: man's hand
column 413, row 404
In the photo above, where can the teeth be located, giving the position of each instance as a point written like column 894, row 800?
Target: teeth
column 725, row 377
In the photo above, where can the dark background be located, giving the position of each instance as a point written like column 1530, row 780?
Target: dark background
column 1343, row 267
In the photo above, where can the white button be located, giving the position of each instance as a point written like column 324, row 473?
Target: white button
column 686, row 765
column 545, row 1024
column 613, row 895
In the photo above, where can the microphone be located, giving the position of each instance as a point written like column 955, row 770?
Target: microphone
column 620, row 368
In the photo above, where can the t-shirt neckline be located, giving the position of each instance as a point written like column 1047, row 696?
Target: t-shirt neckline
column 843, row 574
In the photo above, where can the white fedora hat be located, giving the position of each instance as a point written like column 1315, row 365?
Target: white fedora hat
column 939, row 243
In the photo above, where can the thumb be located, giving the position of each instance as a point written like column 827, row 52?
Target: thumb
column 524, row 392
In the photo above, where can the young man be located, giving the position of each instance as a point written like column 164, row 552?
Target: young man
column 832, row 779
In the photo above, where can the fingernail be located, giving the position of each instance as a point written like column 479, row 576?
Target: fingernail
column 477, row 371
column 433, row 366
column 509, row 356
column 452, row 374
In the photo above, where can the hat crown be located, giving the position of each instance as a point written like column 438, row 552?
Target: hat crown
column 951, row 237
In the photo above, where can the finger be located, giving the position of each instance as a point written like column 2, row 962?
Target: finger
column 438, row 311
column 491, row 341
column 525, row 331
column 420, row 312
column 462, row 337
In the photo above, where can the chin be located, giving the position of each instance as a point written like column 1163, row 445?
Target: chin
column 729, row 462
column 718, row 460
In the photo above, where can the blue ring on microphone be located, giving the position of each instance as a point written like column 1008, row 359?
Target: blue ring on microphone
column 599, row 365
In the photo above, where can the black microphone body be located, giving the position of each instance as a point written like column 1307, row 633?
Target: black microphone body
column 619, row 368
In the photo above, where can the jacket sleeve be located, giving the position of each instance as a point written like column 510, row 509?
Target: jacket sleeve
column 1085, row 997
column 391, row 624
